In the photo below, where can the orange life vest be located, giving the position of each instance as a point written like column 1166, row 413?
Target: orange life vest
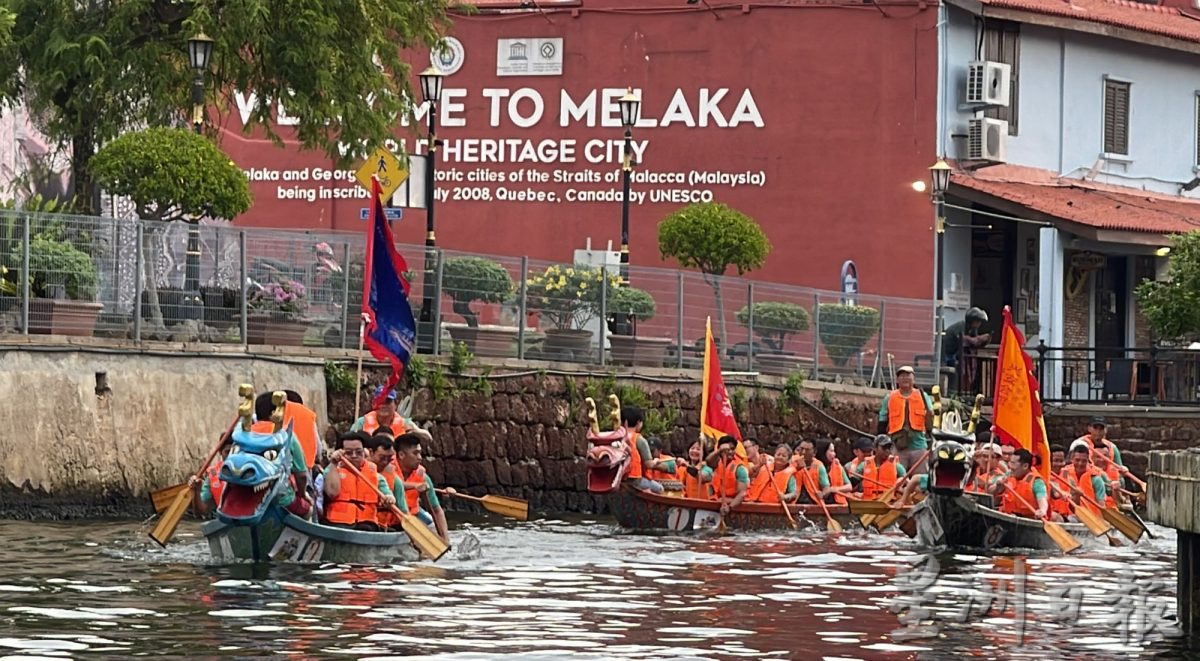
column 692, row 486
column 837, row 478
column 371, row 423
column 1059, row 504
column 1084, row 483
column 808, row 480
column 357, row 501
column 412, row 497
column 916, row 411
column 1010, row 504
column 980, row 482
column 305, row 428
column 885, row 475
column 635, row 457
column 658, row 475
column 760, row 484
column 386, row 517
column 776, row 485
column 725, row 477
column 215, row 485
column 1110, row 474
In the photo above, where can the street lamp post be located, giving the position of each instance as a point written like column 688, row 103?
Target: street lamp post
column 940, row 175
column 629, row 116
column 199, row 53
column 431, row 91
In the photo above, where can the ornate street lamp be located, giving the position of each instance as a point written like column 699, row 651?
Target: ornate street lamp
column 431, row 91
column 939, row 174
column 629, row 115
column 200, row 49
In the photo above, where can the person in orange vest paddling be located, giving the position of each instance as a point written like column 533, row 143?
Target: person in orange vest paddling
column 731, row 474
column 839, row 479
column 641, row 461
column 418, row 486
column 776, row 477
column 694, row 473
column 880, row 471
column 351, row 502
column 811, row 474
column 382, row 450
column 1023, row 489
column 208, row 495
column 906, row 415
column 1084, row 479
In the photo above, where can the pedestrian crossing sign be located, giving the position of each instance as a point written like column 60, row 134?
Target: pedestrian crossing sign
column 384, row 165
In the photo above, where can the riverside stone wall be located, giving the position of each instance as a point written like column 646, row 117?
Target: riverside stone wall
column 527, row 437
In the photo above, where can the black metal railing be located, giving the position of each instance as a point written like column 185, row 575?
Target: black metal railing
column 1157, row 375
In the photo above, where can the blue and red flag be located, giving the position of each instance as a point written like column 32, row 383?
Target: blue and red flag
column 390, row 331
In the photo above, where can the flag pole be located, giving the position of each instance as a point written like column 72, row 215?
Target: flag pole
column 362, row 331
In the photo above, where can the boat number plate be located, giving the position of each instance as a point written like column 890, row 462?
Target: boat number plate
column 678, row 518
column 705, row 519
column 994, row 536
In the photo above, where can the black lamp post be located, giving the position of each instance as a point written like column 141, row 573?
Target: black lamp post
column 629, row 116
column 431, row 91
column 199, row 53
column 939, row 173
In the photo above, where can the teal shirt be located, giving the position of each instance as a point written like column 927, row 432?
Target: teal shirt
column 643, row 450
column 1039, row 489
column 791, row 485
column 822, row 475
column 668, row 466
column 741, row 475
column 918, row 440
column 398, row 492
column 1098, row 487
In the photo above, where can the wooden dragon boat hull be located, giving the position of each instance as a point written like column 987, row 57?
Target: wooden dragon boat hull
column 964, row 522
column 300, row 541
column 640, row 510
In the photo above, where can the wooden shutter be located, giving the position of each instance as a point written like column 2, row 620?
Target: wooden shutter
column 1116, row 117
column 1002, row 43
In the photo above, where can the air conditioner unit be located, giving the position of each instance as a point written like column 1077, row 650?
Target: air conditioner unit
column 987, row 83
column 987, row 140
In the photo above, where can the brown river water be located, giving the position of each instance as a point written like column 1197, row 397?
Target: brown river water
column 580, row 589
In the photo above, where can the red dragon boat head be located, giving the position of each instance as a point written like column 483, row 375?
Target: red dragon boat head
column 608, row 455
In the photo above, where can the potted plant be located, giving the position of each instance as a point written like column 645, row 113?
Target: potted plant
column 469, row 279
column 774, row 321
column 631, row 349
column 275, row 313
column 62, row 287
column 568, row 297
column 844, row 329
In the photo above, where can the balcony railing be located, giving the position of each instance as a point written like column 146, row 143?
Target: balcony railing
column 133, row 272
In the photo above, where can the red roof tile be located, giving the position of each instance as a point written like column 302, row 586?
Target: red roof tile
column 1138, row 16
column 1084, row 202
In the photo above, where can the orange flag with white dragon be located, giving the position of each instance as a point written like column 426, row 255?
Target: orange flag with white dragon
column 1017, row 406
column 716, row 413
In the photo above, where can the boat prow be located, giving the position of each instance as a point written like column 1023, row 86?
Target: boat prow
column 963, row 522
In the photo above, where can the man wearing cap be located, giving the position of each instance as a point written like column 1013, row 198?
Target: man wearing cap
column 907, row 416
column 880, row 471
column 862, row 449
column 384, row 415
column 1096, row 435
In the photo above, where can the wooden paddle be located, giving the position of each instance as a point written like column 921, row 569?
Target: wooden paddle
column 1122, row 523
column 426, row 541
column 1087, row 517
column 1057, row 534
column 786, row 511
column 513, row 508
column 875, row 507
column 830, row 522
column 169, row 521
column 163, row 498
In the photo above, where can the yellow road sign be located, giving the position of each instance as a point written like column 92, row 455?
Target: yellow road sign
column 386, row 167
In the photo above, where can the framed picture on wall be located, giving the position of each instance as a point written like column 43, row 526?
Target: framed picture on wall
column 1024, row 282
column 1022, row 310
column 1030, row 252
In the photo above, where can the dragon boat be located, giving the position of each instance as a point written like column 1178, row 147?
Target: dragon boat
column 252, row 524
column 608, row 461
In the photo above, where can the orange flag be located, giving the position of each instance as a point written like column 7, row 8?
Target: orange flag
column 1017, row 406
column 716, row 413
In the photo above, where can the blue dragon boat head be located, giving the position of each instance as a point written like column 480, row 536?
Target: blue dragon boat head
column 257, row 471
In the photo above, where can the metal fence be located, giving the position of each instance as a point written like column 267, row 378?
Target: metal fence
column 127, row 279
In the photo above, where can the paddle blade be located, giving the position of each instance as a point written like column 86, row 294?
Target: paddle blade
column 909, row 527
column 1061, row 537
column 169, row 521
column 163, row 498
column 832, row 525
column 1093, row 521
column 426, row 541
column 1125, row 525
column 513, row 508
column 860, row 507
column 884, row 521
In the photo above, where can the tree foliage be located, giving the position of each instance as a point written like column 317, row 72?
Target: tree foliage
column 172, row 174
column 469, row 279
column 712, row 237
column 844, row 329
column 774, row 321
column 93, row 70
column 1172, row 307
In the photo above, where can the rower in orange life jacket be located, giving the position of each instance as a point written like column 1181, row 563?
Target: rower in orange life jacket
column 731, row 474
column 419, row 493
column 350, row 501
column 210, row 486
column 810, row 473
column 881, row 471
column 299, row 500
column 381, row 450
column 663, row 466
column 641, row 461
column 760, row 473
column 302, row 419
column 1023, row 489
column 839, row 480
column 986, row 471
column 1060, row 502
column 776, row 477
column 1111, row 473
column 695, row 475
column 1084, row 479
column 862, row 449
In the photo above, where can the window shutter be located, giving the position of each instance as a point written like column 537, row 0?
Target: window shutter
column 1002, row 43
column 1116, row 117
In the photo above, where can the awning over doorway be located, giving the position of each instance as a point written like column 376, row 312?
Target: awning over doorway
column 1098, row 211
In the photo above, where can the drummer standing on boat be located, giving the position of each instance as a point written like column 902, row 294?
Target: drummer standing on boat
column 384, row 416
column 907, row 416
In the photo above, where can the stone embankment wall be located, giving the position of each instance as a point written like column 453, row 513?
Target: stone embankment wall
column 525, row 436
column 89, row 432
